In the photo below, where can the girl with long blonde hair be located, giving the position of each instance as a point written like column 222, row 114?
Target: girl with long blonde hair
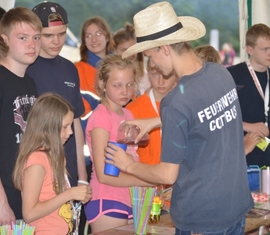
column 40, row 172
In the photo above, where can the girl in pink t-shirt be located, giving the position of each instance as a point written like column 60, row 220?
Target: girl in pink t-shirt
column 40, row 173
column 110, row 206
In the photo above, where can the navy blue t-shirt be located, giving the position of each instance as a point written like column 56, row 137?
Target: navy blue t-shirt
column 252, row 106
column 59, row 75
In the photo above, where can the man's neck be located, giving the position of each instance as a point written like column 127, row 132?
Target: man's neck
column 187, row 64
column 256, row 66
column 16, row 68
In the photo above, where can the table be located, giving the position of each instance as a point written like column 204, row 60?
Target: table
column 253, row 224
column 165, row 226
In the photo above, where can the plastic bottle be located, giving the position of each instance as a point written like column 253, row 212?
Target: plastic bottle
column 156, row 207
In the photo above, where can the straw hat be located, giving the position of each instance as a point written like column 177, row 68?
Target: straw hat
column 158, row 25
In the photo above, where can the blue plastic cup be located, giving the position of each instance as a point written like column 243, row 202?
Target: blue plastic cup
column 110, row 169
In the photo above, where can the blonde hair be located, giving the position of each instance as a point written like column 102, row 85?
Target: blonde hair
column 13, row 17
column 104, row 28
column 109, row 63
column 207, row 53
column 43, row 130
column 256, row 31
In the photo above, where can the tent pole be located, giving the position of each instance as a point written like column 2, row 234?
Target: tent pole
column 249, row 7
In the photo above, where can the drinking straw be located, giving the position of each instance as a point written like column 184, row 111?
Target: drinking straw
column 17, row 229
column 150, row 192
column 165, row 190
column 136, row 197
column 141, row 198
column 145, row 207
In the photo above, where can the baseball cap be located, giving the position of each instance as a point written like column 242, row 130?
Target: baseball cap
column 45, row 9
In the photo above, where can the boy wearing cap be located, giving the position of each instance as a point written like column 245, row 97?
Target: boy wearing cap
column 53, row 73
column 19, row 47
column 202, row 135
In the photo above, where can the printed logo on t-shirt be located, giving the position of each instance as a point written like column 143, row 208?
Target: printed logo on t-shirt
column 70, row 212
column 218, row 108
column 66, row 213
column 70, row 84
column 22, row 106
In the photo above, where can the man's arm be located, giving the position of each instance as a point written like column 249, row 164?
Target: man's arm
column 79, row 137
column 162, row 173
column 6, row 214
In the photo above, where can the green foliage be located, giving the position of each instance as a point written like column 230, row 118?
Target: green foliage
column 215, row 14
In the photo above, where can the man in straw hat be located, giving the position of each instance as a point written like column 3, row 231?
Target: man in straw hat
column 201, row 129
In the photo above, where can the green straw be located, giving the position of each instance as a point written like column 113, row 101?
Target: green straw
column 150, row 192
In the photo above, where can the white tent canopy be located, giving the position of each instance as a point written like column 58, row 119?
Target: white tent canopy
column 251, row 12
column 7, row 4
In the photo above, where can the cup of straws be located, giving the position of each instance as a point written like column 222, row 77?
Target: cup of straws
column 20, row 228
column 141, row 199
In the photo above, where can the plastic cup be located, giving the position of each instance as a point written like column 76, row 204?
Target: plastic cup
column 127, row 134
column 110, row 169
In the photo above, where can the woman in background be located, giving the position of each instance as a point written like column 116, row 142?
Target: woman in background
column 96, row 43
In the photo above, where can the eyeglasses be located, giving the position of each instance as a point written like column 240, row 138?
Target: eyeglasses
column 96, row 34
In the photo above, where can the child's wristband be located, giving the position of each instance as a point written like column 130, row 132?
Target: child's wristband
column 83, row 182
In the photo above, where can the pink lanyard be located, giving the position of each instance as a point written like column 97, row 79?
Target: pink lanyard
column 265, row 96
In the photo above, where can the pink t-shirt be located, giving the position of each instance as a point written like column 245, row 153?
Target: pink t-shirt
column 110, row 121
column 58, row 222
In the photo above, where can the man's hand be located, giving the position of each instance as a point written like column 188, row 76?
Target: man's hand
column 6, row 214
column 118, row 157
column 251, row 140
column 259, row 128
column 145, row 125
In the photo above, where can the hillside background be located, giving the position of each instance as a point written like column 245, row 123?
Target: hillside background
column 215, row 14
